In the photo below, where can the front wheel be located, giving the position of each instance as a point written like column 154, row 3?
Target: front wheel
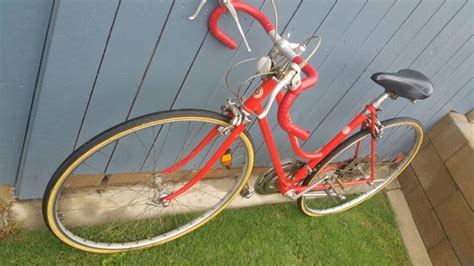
column 105, row 197
column 345, row 169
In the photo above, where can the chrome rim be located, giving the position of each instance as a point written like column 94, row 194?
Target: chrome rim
column 125, row 190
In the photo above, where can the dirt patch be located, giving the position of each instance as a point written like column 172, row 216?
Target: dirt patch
column 6, row 227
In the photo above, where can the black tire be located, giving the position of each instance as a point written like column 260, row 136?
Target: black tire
column 55, row 185
column 348, row 143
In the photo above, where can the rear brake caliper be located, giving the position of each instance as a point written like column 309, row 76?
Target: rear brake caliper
column 378, row 128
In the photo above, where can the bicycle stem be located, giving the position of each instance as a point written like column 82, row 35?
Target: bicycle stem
column 280, row 85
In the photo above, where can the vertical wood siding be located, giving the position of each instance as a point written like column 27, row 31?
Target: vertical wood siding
column 23, row 26
column 108, row 61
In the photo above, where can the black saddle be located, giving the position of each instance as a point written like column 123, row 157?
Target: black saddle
column 406, row 83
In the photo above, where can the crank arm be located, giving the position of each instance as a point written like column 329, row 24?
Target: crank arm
column 291, row 194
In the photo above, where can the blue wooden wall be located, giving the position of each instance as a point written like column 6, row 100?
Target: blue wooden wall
column 71, row 69
column 23, row 27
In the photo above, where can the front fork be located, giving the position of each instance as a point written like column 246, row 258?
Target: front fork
column 237, row 125
column 222, row 149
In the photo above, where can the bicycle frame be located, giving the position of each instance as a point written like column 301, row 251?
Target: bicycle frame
column 254, row 105
column 285, row 185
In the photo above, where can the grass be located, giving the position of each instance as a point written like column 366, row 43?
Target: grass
column 264, row 235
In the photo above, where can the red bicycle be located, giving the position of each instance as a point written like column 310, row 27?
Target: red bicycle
column 160, row 176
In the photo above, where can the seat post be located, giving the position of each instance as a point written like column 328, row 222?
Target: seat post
column 377, row 102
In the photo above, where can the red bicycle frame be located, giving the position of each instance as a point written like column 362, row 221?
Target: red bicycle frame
column 285, row 100
column 254, row 103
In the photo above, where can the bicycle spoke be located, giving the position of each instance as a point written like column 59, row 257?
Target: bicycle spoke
column 122, row 207
column 351, row 179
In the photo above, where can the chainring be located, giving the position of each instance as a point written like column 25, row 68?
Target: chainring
column 266, row 183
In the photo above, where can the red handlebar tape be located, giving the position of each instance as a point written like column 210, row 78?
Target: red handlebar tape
column 239, row 6
column 290, row 97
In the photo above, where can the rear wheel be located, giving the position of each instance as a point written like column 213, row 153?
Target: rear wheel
column 106, row 196
column 350, row 162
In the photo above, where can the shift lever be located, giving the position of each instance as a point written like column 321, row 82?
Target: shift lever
column 198, row 10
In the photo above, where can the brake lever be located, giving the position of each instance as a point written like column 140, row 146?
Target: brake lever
column 233, row 13
column 198, row 10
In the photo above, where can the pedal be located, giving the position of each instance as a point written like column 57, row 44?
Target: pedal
column 341, row 185
column 246, row 192
column 339, row 196
column 335, row 196
column 249, row 194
